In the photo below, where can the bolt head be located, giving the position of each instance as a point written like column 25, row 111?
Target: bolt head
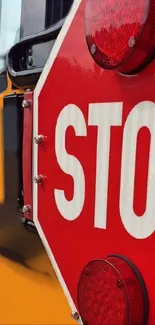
column 26, row 209
column 119, row 283
column 30, row 51
column 30, row 61
column 38, row 179
column 39, row 139
column 131, row 42
column 26, row 104
column 93, row 49
column 75, row 315
column 87, row 272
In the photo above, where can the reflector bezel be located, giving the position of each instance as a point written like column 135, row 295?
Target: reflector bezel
column 142, row 282
column 137, row 273
column 126, row 66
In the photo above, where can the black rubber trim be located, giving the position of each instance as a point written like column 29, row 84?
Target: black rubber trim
column 143, row 286
column 140, row 68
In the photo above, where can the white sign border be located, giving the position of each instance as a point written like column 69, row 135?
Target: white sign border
column 41, row 82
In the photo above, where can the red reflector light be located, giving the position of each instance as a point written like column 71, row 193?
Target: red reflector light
column 120, row 34
column 112, row 291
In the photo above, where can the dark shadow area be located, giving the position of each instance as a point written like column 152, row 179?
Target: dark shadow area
column 13, row 256
column 19, row 259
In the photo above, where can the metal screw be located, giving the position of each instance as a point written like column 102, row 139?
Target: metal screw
column 75, row 315
column 93, row 49
column 30, row 51
column 26, row 209
column 30, row 61
column 119, row 284
column 22, row 63
column 38, row 179
column 39, row 139
column 26, row 104
column 132, row 41
column 86, row 271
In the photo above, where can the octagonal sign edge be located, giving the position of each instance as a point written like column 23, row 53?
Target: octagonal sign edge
column 37, row 91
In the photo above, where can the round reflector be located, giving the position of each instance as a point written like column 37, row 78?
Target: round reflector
column 112, row 291
column 120, row 34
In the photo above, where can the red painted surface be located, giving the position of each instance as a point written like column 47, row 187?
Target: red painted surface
column 27, row 154
column 76, row 79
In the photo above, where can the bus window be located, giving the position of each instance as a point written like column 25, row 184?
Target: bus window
column 56, row 10
column 10, row 16
column 35, row 19
column 32, row 17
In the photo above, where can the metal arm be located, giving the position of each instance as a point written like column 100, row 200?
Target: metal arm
column 22, row 75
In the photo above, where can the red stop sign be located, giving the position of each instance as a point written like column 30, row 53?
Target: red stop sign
column 97, row 161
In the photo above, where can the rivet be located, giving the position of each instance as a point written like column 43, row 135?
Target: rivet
column 30, row 61
column 39, row 139
column 30, row 51
column 93, row 49
column 86, row 271
column 132, row 41
column 119, row 284
column 38, row 179
column 26, row 209
column 26, row 104
column 75, row 315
